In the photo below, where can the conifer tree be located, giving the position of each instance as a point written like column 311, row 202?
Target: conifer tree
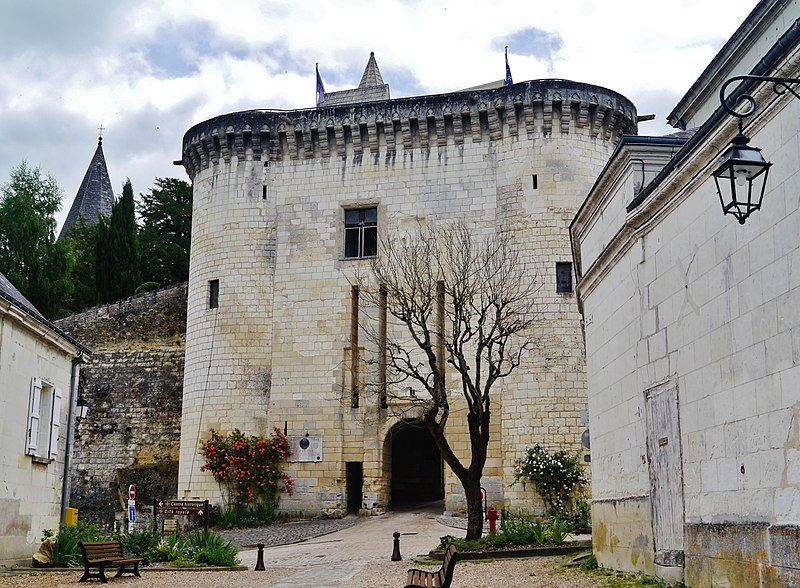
column 117, row 251
column 166, row 231
column 81, row 241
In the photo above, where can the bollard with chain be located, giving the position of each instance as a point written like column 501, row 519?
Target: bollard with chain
column 396, row 553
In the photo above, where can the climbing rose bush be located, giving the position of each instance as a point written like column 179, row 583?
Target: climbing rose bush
column 558, row 477
column 248, row 468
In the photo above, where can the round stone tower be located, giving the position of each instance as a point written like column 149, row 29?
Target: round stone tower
column 271, row 312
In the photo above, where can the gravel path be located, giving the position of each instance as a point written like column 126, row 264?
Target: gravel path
column 541, row 572
column 356, row 556
column 288, row 533
column 538, row 572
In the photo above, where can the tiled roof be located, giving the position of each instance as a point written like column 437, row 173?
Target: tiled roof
column 11, row 291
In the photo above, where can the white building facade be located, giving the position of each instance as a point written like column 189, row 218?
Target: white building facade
column 38, row 367
column 692, row 326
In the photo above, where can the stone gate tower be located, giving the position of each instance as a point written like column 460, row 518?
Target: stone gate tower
column 286, row 205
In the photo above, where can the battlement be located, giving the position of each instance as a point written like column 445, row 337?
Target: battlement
column 534, row 108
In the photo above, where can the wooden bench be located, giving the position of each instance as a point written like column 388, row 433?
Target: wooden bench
column 102, row 554
column 440, row 579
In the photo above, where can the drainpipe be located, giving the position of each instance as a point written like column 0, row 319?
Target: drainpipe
column 73, row 392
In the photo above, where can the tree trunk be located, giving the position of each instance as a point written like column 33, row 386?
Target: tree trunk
column 472, row 492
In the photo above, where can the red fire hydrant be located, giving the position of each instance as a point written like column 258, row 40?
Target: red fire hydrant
column 491, row 515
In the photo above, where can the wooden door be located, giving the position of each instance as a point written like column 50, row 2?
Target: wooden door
column 666, row 472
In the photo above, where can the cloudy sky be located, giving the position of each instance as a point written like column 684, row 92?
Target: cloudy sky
column 150, row 69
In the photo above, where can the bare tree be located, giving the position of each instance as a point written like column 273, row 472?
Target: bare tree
column 459, row 302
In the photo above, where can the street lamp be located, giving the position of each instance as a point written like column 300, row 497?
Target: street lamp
column 82, row 407
column 741, row 178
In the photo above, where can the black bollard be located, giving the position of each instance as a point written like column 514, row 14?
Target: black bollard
column 260, row 562
column 396, row 553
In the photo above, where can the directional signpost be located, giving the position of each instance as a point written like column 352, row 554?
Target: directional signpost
column 189, row 508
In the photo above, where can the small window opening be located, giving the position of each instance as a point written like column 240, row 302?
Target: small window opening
column 360, row 232
column 535, row 182
column 263, row 192
column 213, row 294
column 563, row 277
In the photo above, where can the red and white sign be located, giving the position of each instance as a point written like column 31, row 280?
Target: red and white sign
column 132, row 491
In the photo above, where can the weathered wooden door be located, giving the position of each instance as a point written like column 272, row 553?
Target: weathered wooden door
column 666, row 472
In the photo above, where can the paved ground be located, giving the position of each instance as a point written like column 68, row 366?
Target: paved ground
column 354, row 556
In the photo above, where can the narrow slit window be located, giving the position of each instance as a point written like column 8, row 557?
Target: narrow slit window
column 563, row 277
column 213, row 294
column 264, row 192
column 535, row 182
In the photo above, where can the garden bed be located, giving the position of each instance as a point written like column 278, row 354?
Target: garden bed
column 511, row 551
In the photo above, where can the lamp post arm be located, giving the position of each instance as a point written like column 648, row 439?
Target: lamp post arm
column 779, row 85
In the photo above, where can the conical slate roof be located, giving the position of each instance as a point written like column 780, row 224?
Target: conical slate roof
column 95, row 196
column 372, row 75
column 371, row 88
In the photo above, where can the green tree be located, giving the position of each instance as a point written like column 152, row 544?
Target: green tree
column 30, row 256
column 117, row 255
column 166, row 231
column 82, row 241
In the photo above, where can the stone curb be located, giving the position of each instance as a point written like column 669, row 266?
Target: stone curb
column 573, row 547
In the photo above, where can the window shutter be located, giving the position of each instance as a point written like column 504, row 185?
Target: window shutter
column 34, row 415
column 55, row 423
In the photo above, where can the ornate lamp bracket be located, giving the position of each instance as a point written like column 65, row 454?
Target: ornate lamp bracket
column 735, row 108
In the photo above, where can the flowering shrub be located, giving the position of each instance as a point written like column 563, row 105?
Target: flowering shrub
column 558, row 477
column 247, row 467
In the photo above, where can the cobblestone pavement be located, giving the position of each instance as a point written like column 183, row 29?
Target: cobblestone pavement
column 288, row 533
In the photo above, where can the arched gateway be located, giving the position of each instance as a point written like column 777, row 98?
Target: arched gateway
column 414, row 464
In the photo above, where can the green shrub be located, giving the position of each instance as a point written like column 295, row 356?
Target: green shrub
column 248, row 467
column 559, row 529
column 558, row 477
column 147, row 287
column 210, row 548
column 540, row 534
column 138, row 542
column 590, row 563
column 170, row 548
column 517, row 528
column 257, row 514
column 66, row 552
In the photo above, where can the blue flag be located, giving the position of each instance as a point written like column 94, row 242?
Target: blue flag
column 320, row 88
column 509, row 81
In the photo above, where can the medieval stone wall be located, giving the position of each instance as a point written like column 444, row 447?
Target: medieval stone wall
column 133, row 385
column 270, row 191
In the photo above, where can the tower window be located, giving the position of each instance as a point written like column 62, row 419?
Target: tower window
column 213, row 293
column 360, row 232
column 563, row 277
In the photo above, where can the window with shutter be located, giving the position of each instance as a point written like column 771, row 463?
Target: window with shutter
column 44, row 420
column 34, row 416
column 55, row 423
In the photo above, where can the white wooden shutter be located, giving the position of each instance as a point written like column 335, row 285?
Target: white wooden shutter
column 55, row 423
column 34, row 415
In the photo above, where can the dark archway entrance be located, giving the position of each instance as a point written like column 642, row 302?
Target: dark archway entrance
column 416, row 465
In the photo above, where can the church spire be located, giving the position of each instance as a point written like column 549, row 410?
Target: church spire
column 95, row 196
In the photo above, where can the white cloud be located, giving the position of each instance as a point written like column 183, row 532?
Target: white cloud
column 150, row 70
